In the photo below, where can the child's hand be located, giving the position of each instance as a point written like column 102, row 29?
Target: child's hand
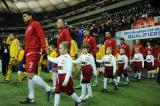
column 95, row 73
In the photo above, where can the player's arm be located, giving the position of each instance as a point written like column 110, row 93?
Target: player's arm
column 55, row 60
column 40, row 34
column 78, row 60
column 68, row 68
column 93, row 65
column 114, row 65
column 125, row 62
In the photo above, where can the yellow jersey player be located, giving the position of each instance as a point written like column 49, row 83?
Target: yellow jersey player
column 13, row 50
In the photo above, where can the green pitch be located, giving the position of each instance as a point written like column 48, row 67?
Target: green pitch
column 143, row 93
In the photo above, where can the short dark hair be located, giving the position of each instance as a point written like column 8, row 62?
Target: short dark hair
column 122, row 39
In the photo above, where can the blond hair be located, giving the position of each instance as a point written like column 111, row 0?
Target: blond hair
column 65, row 45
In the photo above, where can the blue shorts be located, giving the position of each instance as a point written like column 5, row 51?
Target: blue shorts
column 20, row 66
column 51, row 65
column 98, row 65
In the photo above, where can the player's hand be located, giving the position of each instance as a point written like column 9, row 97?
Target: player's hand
column 64, row 83
column 24, row 66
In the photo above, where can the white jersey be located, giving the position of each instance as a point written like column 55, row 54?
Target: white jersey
column 64, row 63
column 150, row 58
column 109, row 60
column 138, row 57
column 123, row 59
column 86, row 59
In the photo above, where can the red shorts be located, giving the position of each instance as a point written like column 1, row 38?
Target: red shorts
column 32, row 61
column 137, row 65
column 59, row 82
column 148, row 66
column 87, row 72
column 121, row 70
column 108, row 73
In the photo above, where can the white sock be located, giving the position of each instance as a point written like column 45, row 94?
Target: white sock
column 148, row 75
column 118, row 79
column 31, row 89
column 56, row 99
column 75, row 97
column 152, row 75
column 89, row 89
column 115, row 82
column 122, row 75
column 54, row 77
column 127, row 80
column 139, row 75
column 96, row 79
column 136, row 74
column 19, row 72
column 83, row 90
column 39, row 81
column 105, row 83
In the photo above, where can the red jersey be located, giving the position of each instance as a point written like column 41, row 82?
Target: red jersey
column 91, row 41
column 34, row 37
column 126, row 48
column 111, row 42
column 141, row 49
column 63, row 35
column 157, row 52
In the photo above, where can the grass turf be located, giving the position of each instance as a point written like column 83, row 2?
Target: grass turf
column 143, row 93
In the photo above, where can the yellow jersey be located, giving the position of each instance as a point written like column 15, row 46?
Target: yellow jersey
column 73, row 48
column 20, row 56
column 14, row 48
column 54, row 53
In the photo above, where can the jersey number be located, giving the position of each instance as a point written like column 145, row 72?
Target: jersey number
column 30, row 64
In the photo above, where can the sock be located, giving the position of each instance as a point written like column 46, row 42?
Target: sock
column 9, row 73
column 136, row 74
column 115, row 82
column 56, row 99
column 39, row 81
column 127, row 80
column 54, row 74
column 105, row 83
column 118, row 79
column 51, row 75
column 95, row 81
column 19, row 76
column 31, row 89
column 83, row 90
column 139, row 75
column 75, row 97
column 152, row 75
column 148, row 75
column 39, row 70
column 89, row 89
